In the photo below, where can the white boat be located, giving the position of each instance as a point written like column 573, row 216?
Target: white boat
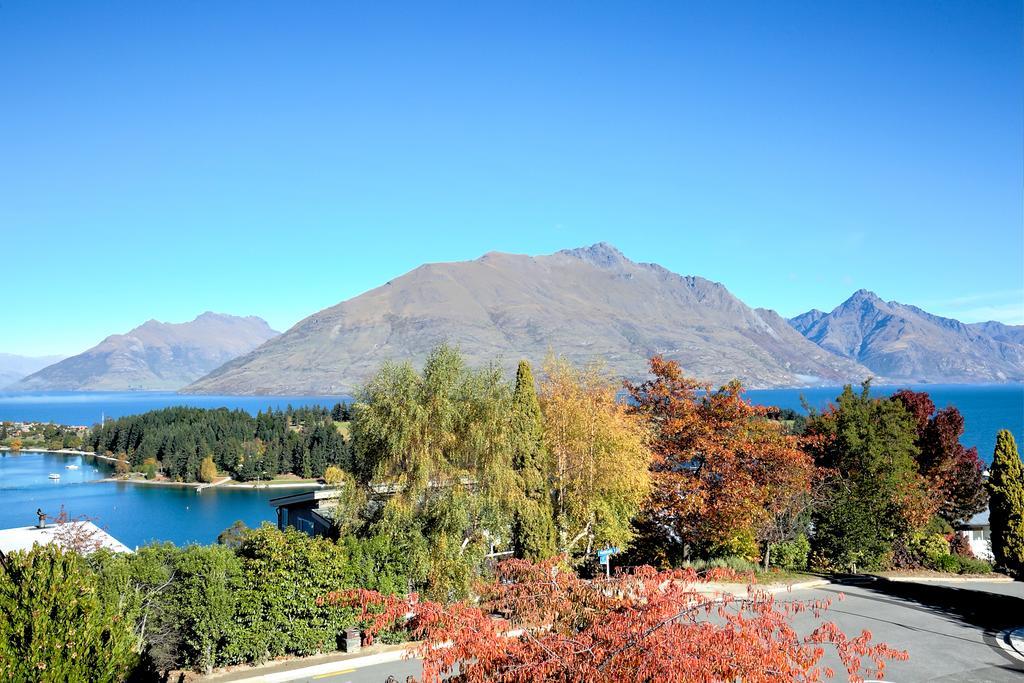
column 54, row 475
column 71, row 467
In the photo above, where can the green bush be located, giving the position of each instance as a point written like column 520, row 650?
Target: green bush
column 929, row 549
column 282, row 575
column 970, row 565
column 149, row 469
column 791, row 554
column 946, row 563
column 53, row 625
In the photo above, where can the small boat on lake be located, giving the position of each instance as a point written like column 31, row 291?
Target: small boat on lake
column 71, row 467
column 54, row 475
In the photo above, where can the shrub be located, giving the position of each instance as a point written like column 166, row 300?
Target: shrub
column 946, row 563
column 734, row 562
column 929, row 548
column 270, row 621
column 791, row 554
column 149, row 469
column 969, row 565
column 961, row 545
column 53, row 625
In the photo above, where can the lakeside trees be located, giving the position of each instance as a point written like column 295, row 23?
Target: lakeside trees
column 302, row 441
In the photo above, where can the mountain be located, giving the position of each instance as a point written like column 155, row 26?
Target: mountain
column 1012, row 334
column 154, row 356
column 13, row 367
column 588, row 304
column 904, row 343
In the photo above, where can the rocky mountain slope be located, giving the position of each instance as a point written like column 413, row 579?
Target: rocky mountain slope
column 904, row 343
column 154, row 356
column 588, row 304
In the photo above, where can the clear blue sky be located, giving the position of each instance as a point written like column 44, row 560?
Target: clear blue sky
column 159, row 159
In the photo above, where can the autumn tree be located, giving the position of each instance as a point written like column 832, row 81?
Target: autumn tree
column 599, row 457
column 333, row 475
column 1006, row 506
column 725, row 478
column 533, row 530
column 207, row 470
column 647, row 626
column 15, row 445
column 954, row 474
column 867, row 447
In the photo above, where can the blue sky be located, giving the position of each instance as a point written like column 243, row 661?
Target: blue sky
column 161, row 159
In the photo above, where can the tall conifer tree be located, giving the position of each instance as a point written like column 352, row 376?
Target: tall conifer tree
column 533, row 530
column 1006, row 505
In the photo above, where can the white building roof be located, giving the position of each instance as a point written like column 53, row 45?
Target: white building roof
column 23, row 538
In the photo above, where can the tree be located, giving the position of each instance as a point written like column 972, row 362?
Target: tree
column 207, row 470
column 1006, row 505
column 954, row 474
column 725, row 477
column 533, row 530
column 599, row 457
column 647, row 626
column 333, row 475
column 15, row 445
column 875, row 494
column 53, row 627
column 436, row 443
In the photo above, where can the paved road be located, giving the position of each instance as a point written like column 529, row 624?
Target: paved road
column 370, row 674
column 948, row 629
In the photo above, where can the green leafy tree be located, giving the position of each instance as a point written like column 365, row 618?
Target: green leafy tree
column 875, row 493
column 53, row 625
column 206, row 586
column 1006, row 505
column 533, row 528
column 437, row 445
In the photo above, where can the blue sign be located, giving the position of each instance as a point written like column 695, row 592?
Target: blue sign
column 605, row 553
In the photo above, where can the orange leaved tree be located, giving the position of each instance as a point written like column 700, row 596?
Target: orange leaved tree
column 725, row 479
column 541, row 622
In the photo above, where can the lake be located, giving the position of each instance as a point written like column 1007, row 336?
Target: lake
column 136, row 514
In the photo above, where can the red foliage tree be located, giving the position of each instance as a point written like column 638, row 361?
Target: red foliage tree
column 723, row 475
column 543, row 623
column 954, row 473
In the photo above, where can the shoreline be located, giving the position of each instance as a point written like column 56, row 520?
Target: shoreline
column 226, row 483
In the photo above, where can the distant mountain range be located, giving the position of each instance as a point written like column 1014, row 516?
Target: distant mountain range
column 155, row 356
column 904, row 343
column 587, row 304
column 13, row 367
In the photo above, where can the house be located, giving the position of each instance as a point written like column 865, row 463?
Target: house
column 310, row 512
column 978, row 532
column 79, row 535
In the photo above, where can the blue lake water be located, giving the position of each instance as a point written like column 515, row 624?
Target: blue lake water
column 136, row 514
